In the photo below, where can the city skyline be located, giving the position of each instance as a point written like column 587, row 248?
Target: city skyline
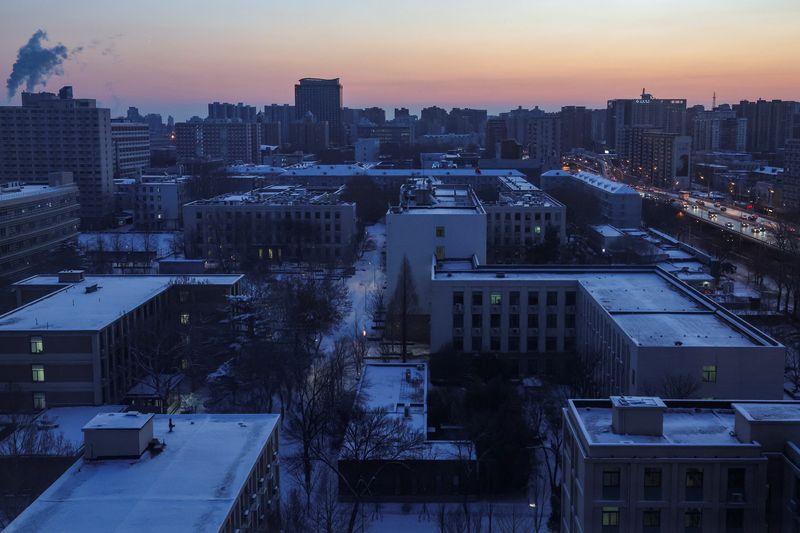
column 172, row 60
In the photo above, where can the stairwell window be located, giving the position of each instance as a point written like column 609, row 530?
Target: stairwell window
column 710, row 374
column 37, row 372
column 37, row 345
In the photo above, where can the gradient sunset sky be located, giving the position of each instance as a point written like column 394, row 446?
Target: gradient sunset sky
column 174, row 56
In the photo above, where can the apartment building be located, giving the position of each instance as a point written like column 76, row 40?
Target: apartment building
column 229, row 141
column 620, row 204
column 35, row 220
column 158, row 202
column 276, row 223
column 131, row 147
column 69, row 340
column 647, row 465
column 145, row 472
column 59, row 133
column 637, row 329
column 790, row 181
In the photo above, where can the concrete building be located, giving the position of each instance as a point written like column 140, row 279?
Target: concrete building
column 440, row 469
column 645, row 465
column 368, row 150
column 276, row 223
column 393, row 132
column 309, row 135
column 323, row 98
column 145, row 472
column 719, row 129
column 668, row 115
column 131, row 147
column 663, row 158
column 576, row 128
column 637, row 328
column 68, row 342
column 620, row 204
column 770, row 123
column 35, row 220
column 284, row 114
column 236, row 112
column 544, row 140
column 158, row 202
column 790, row 180
column 59, row 133
column 229, row 141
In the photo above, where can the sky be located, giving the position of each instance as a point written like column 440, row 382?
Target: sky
column 173, row 57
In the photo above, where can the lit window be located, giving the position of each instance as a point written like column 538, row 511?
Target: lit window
column 37, row 345
column 496, row 298
column 440, row 231
column 184, row 319
column 38, row 373
column 610, row 516
column 440, row 252
column 710, row 374
column 39, row 401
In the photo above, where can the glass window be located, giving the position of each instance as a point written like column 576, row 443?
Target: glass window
column 513, row 298
column 533, row 321
column 710, row 373
column 513, row 321
column 39, row 400
column 652, row 477
column 494, row 321
column 458, row 297
column 37, row 345
column 552, row 320
column 694, row 478
column 496, row 298
column 38, row 373
column 440, row 252
column 476, row 320
column 440, row 231
column 184, row 319
column 734, row 518
column 611, row 477
column 610, row 516
column 513, row 344
column 551, row 344
column 651, row 518
column 533, row 297
column 693, row 518
column 477, row 298
column 552, row 298
column 570, row 298
column 495, row 344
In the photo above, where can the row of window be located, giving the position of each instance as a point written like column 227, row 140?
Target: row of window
column 651, row 519
column 693, row 483
column 496, row 298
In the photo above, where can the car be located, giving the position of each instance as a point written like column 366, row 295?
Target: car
column 743, row 215
column 745, row 224
column 723, row 208
column 729, row 225
column 753, row 218
column 754, row 229
column 700, row 202
column 716, row 204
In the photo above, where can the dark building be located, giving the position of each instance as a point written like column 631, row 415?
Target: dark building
column 376, row 115
column 226, row 111
column 576, row 128
column 229, row 141
column 309, row 134
column 668, row 115
column 466, row 120
column 496, row 132
column 769, row 123
column 282, row 113
column 433, row 121
column 59, row 133
column 389, row 133
column 323, row 98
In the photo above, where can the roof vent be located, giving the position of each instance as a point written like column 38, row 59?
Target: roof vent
column 70, row 276
column 91, row 288
column 500, row 275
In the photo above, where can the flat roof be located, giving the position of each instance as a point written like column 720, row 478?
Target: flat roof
column 71, row 308
column 129, row 420
column 25, row 191
column 770, row 412
column 190, row 486
column 279, row 195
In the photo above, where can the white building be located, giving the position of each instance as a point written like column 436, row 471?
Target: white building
column 144, row 472
column 367, row 150
column 620, row 204
column 639, row 327
column 432, row 222
column 158, row 202
column 131, row 142
column 643, row 465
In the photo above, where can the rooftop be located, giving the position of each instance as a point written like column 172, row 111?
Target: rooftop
column 72, row 308
column 190, row 486
column 278, row 195
column 129, row 420
column 594, row 180
column 27, row 191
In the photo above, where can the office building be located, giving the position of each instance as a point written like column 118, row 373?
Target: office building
column 283, row 113
column 376, row 115
column 719, row 130
column 399, row 133
column 790, row 180
column 466, row 120
column 576, row 128
column 637, row 329
column 620, row 205
column 544, row 140
column 229, row 141
column 444, row 469
column 309, row 135
column 158, row 202
column 36, row 220
column 271, row 134
column 647, row 465
column 661, row 157
column 59, row 133
column 276, row 223
column 668, row 115
column 69, row 341
column 233, row 112
column 131, row 147
column 432, row 121
column 770, row 123
column 323, row 98
column 145, row 472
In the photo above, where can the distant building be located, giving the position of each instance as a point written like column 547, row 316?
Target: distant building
column 388, row 133
column 309, row 134
column 719, row 130
column 228, row 141
column 141, row 472
column 368, row 150
column 544, row 140
column 620, row 204
column 282, row 113
column 158, row 202
column 668, row 115
column 131, row 147
column 647, row 464
column 376, row 115
column 636, row 328
column 769, row 123
column 495, row 133
column 276, row 223
column 791, row 175
column 576, row 128
column 323, row 98
column 233, row 112
column 66, row 134
column 68, row 342
column 663, row 158
column 35, row 220
column 465, row 120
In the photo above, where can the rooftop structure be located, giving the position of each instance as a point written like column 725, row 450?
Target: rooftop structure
column 204, row 473
column 279, row 195
column 644, row 322
column 620, row 204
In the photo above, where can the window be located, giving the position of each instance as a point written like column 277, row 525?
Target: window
column 184, row 319
column 440, row 252
column 570, row 298
column 736, row 484
column 551, row 344
column 513, row 344
column 552, row 321
column 533, row 298
column 39, row 400
column 38, row 373
column 651, row 518
column 652, row 483
column 476, row 320
column 734, row 519
column 494, row 344
column 458, row 320
column 513, row 298
column 533, row 321
column 693, row 519
column 458, row 298
column 694, row 484
column 552, row 298
column 513, row 321
column 477, row 298
column 183, row 296
column 440, row 231
column 611, row 483
column 610, row 516
column 494, row 321
column 496, row 298
column 710, row 374
column 37, row 345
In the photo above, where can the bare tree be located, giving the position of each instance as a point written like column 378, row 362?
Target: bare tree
column 403, row 304
column 679, row 386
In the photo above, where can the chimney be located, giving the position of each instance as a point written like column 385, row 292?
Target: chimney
column 637, row 415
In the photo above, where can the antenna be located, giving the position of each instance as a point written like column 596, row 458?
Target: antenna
column 714, row 101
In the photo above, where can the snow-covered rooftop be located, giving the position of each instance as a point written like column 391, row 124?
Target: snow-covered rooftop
column 73, row 308
column 190, row 486
column 160, row 244
column 129, row 420
column 29, row 191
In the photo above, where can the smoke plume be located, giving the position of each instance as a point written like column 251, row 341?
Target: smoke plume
column 35, row 64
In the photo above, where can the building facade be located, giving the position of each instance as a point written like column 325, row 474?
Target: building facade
column 276, row 223
column 668, row 115
column 323, row 98
column 229, row 141
column 131, row 147
column 59, row 133
column 790, row 180
column 35, row 220
column 646, row 465
column 158, row 202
